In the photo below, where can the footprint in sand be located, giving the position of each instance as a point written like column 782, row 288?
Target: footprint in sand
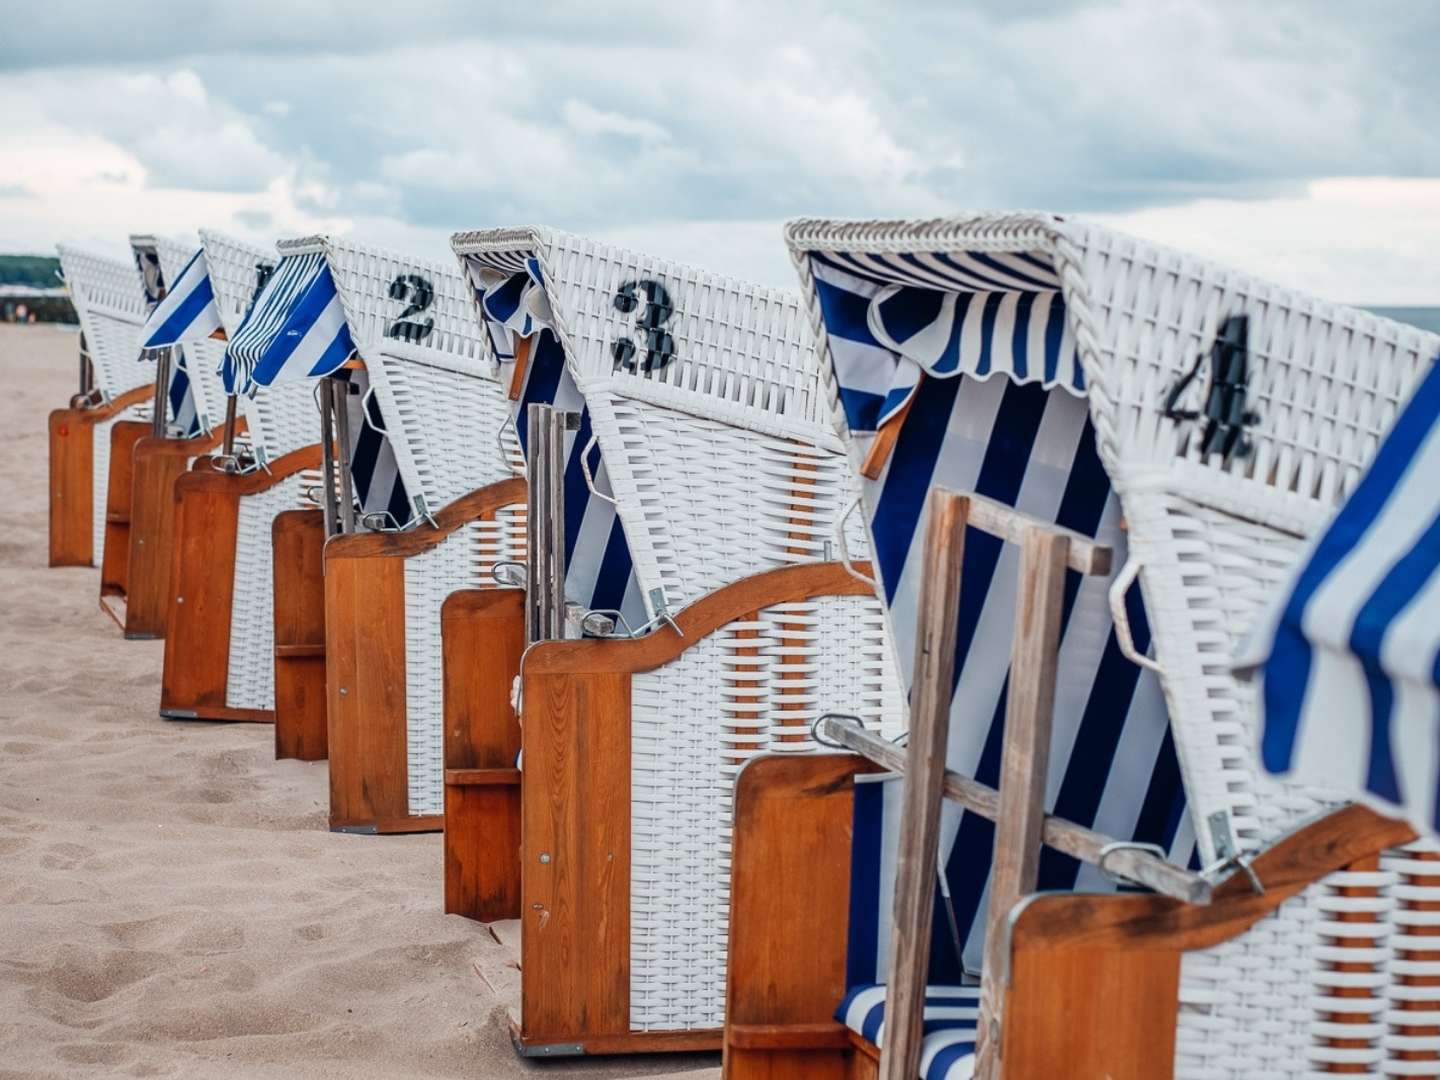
column 65, row 856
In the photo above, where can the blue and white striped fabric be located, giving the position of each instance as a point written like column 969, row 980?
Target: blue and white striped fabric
column 295, row 330
column 379, row 488
column 188, row 311
column 184, row 415
column 998, row 412
column 599, row 571
column 893, row 318
column 1351, row 673
column 947, row 1051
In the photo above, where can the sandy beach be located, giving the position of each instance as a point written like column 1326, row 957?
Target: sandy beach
column 171, row 903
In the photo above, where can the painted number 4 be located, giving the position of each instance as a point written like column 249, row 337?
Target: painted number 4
column 652, row 304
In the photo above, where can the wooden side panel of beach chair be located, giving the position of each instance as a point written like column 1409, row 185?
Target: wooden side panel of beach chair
column 577, row 879
column 217, row 517
column 157, row 463
column 368, row 592
column 1111, row 965
column 298, row 537
column 74, row 435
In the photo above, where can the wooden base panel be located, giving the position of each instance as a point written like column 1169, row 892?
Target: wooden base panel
column 115, row 558
column 300, row 725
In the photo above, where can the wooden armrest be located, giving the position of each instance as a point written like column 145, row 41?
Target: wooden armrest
column 204, row 478
column 106, row 411
column 700, row 619
column 475, row 506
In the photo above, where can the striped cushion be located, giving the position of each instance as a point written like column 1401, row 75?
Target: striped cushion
column 948, row 1052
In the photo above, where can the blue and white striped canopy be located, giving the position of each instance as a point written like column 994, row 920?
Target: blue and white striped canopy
column 295, row 330
column 1351, row 674
column 893, row 318
column 510, row 295
column 187, row 312
column 980, row 349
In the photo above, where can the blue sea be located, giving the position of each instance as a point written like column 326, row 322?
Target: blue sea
column 1427, row 318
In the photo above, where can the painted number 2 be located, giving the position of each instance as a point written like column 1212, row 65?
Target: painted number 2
column 652, row 303
column 418, row 294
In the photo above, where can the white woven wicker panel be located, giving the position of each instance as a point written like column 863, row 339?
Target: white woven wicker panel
column 444, row 426
column 463, row 560
column 109, row 299
column 705, row 503
column 234, row 269
column 100, row 470
column 368, row 281
column 742, row 353
column 752, row 686
column 282, row 418
column 250, row 683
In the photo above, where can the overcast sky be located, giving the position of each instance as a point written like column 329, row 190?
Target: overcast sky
column 1296, row 138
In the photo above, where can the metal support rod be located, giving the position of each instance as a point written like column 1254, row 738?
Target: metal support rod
column 327, row 455
column 227, row 447
column 545, row 521
column 87, row 369
column 342, row 391
column 162, row 393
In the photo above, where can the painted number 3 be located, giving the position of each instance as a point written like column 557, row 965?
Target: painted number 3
column 418, row 294
column 657, row 348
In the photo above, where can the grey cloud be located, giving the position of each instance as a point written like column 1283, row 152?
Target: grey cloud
column 444, row 114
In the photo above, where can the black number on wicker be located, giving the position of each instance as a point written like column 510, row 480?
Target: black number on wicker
column 418, row 294
column 1225, row 415
column 654, row 309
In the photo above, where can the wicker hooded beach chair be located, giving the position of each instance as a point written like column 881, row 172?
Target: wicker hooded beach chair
column 700, row 425
column 219, row 656
column 427, row 399
column 1228, row 416
column 141, row 488
column 109, row 301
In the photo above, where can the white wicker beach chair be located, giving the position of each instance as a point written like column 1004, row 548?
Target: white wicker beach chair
column 712, row 443
column 109, row 301
column 219, row 657
column 1230, row 417
column 430, row 400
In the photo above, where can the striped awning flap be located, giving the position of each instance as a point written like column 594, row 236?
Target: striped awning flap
column 188, row 312
column 892, row 318
column 1350, row 657
column 295, row 330
column 511, row 299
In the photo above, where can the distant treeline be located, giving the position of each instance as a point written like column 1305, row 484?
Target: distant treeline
column 36, row 270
